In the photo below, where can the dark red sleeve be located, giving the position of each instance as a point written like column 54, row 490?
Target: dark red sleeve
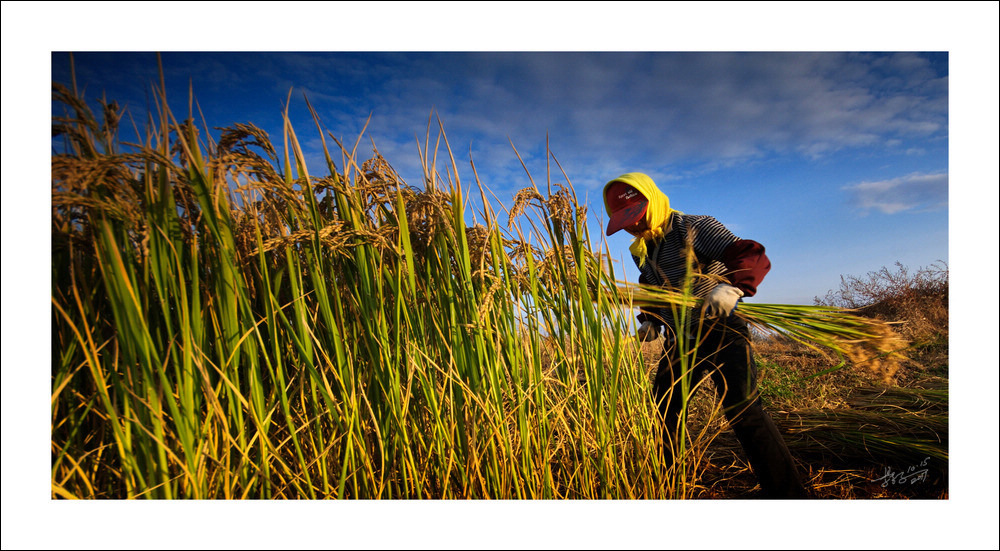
column 746, row 265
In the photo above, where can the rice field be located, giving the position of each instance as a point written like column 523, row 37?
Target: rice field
column 226, row 325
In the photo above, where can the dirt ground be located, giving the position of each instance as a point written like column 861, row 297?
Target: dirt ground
column 832, row 466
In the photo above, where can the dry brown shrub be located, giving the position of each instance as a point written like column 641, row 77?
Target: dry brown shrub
column 916, row 304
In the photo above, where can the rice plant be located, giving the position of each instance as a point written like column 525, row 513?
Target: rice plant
column 856, row 339
column 227, row 325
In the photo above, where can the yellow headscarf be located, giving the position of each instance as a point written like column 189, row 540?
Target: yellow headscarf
column 657, row 212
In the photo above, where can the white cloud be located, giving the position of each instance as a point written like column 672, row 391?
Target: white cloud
column 915, row 191
column 678, row 106
column 687, row 111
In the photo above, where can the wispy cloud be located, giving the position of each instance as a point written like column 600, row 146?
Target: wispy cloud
column 911, row 192
column 604, row 109
column 661, row 112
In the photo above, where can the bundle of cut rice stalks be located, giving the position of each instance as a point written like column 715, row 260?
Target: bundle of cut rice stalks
column 857, row 340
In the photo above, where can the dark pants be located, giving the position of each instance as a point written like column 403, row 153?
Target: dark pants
column 725, row 354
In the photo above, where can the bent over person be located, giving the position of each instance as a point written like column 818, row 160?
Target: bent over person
column 662, row 236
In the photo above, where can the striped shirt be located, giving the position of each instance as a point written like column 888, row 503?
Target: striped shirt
column 717, row 252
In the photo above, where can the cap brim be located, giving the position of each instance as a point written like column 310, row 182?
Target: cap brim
column 626, row 217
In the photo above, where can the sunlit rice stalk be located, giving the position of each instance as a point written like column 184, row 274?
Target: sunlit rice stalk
column 863, row 341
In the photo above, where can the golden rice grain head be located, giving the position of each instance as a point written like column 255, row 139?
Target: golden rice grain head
column 522, row 200
column 560, row 206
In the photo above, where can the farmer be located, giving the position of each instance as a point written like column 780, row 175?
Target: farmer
column 730, row 268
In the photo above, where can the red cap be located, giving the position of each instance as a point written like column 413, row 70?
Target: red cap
column 626, row 206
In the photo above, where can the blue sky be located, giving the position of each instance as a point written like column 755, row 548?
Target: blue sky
column 836, row 161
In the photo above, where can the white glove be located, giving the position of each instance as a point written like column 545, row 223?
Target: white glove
column 647, row 331
column 721, row 301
